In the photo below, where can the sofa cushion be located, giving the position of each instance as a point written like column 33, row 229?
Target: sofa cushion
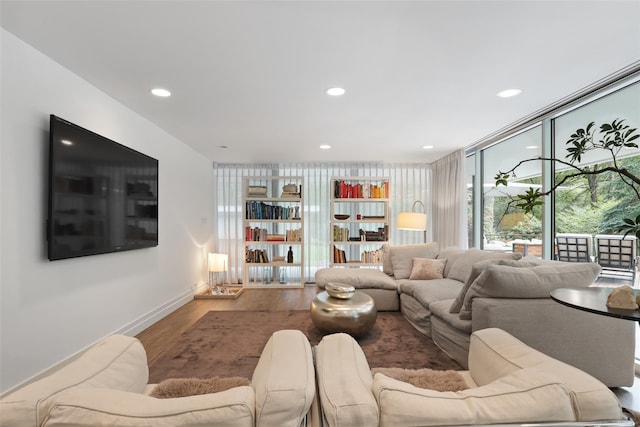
column 451, row 254
column 105, row 407
column 527, row 395
column 117, row 362
column 477, row 269
column 430, row 291
column 427, row 269
column 441, row 310
column 503, row 281
column 344, row 382
column 359, row 278
column 402, row 257
column 461, row 268
column 495, row 353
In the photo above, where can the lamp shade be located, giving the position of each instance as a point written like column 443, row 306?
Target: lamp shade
column 218, row 262
column 412, row 221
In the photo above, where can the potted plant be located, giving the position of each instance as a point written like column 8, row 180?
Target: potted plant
column 611, row 137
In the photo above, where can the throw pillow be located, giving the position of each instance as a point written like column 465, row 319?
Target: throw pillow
column 426, row 378
column 427, row 269
column 476, row 270
column 402, row 257
column 461, row 269
column 181, row 387
column 503, row 281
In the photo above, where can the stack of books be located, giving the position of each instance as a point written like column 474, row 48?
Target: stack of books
column 256, row 256
column 257, row 191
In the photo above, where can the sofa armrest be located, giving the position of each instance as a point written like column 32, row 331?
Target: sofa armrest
column 565, row 334
column 344, row 383
column 493, row 354
column 284, row 380
column 96, row 406
column 117, row 362
column 523, row 396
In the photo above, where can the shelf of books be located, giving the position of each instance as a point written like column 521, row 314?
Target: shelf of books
column 359, row 221
column 273, row 221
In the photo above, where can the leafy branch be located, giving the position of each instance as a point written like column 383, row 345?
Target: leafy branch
column 614, row 137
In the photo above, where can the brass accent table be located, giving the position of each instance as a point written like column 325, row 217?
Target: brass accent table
column 355, row 316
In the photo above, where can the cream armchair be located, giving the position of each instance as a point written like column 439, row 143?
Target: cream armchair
column 107, row 385
column 509, row 383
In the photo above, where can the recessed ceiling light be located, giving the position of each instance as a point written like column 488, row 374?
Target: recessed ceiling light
column 66, row 142
column 532, row 147
column 325, row 147
column 427, row 147
column 161, row 92
column 509, row 93
column 336, row 91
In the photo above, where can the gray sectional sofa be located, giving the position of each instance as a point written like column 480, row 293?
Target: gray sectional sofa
column 448, row 294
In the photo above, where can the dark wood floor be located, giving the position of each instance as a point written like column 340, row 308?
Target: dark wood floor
column 162, row 334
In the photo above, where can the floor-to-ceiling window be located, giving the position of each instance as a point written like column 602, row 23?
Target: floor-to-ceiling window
column 582, row 205
column 596, row 204
column 505, row 228
column 471, row 200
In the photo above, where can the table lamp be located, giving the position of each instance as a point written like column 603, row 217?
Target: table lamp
column 217, row 264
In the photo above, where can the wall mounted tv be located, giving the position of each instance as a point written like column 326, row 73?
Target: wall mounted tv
column 103, row 196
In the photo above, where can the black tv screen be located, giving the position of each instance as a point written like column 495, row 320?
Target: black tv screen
column 103, row 196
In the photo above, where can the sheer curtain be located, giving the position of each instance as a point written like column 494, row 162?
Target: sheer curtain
column 449, row 201
column 408, row 183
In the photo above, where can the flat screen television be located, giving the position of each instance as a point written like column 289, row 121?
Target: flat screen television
column 103, row 196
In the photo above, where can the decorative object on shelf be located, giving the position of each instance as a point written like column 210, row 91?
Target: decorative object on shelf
column 341, row 217
column 217, row 263
column 290, row 255
column 414, row 220
column 282, row 276
column 267, row 275
column 291, row 190
column 340, row 290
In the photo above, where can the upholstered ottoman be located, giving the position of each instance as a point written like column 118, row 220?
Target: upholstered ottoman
column 378, row 285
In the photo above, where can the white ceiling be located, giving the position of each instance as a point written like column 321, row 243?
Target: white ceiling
column 252, row 75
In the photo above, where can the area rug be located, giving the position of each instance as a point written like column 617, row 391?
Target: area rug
column 229, row 343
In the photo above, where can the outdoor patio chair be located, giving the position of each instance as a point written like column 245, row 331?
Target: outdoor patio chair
column 574, row 247
column 617, row 256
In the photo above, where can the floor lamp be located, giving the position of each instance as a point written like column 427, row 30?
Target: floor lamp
column 217, row 264
column 413, row 220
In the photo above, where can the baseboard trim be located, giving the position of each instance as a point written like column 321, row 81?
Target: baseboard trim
column 151, row 317
column 131, row 329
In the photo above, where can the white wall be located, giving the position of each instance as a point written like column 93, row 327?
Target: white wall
column 51, row 310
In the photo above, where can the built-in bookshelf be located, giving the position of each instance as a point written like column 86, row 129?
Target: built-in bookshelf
column 359, row 220
column 273, row 221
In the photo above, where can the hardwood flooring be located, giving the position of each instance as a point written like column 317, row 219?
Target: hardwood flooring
column 164, row 333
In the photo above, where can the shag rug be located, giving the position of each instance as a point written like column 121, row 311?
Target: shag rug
column 229, row 344
column 426, row 378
